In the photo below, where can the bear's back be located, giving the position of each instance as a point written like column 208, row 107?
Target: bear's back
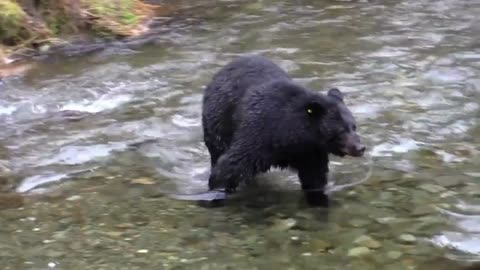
column 242, row 73
column 223, row 95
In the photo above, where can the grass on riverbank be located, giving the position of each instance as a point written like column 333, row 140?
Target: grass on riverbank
column 33, row 24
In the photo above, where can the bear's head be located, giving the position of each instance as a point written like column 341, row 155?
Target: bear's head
column 333, row 122
column 330, row 125
column 341, row 127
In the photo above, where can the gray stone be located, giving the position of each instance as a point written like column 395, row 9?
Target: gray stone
column 367, row 241
column 432, row 188
column 394, row 254
column 448, row 181
column 358, row 252
column 320, row 245
column 407, row 238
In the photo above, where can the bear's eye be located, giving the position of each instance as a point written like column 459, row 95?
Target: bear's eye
column 314, row 109
column 354, row 127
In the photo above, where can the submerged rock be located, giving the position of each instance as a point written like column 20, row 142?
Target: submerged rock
column 423, row 210
column 11, row 200
column 283, row 224
column 358, row 223
column 407, row 238
column 321, row 245
column 367, row 241
column 432, row 188
column 394, row 254
column 142, row 181
column 358, row 252
column 448, row 181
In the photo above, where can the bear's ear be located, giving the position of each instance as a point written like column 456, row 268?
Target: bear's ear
column 316, row 109
column 335, row 93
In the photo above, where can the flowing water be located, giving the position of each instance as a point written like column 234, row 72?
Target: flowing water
column 94, row 142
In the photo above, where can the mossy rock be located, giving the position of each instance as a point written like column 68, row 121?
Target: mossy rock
column 12, row 23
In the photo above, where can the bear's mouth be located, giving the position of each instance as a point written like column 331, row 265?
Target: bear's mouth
column 342, row 152
column 351, row 153
column 356, row 154
column 339, row 148
column 336, row 148
column 339, row 152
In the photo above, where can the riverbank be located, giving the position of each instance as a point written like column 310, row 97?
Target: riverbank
column 36, row 28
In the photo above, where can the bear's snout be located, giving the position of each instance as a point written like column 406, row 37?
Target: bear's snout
column 354, row 146
column 357, row 150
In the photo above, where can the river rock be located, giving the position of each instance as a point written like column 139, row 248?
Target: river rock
column 54, row 253
column 448, row 193
column 113, row 233
column 423, row 210
column 432, row 188
column 394, row 254
column 283, row 224
column 142, row 181
column 358, row 223
column 391, row 220
column 10, row 200
column 448, row 181
column 407, row 238
column 358, row 252
column 367, row 241
column 254, row 6
column 321, row 245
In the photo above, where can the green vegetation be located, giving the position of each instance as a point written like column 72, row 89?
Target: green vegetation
column 28, row 24
column 12, row 22
column 121, row 17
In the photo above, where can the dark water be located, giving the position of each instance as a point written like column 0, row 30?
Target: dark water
column 94, row 180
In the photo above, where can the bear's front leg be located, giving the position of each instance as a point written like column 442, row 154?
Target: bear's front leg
column 223, row 177
column 229, row 172
column 314, row 180
column 240, row 163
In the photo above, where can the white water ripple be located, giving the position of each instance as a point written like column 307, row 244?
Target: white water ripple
column 35, row 181
column 80, row 154
column 101, row 104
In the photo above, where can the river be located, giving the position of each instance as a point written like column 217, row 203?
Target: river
column 93, row 142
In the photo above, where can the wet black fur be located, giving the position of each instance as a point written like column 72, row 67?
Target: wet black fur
column 255, row 117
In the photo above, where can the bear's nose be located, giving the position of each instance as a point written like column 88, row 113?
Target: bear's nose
column 360, row 149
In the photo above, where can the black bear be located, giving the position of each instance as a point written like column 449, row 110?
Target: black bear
column 255, row 117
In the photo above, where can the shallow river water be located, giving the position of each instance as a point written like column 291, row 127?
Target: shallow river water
column 93, row 143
